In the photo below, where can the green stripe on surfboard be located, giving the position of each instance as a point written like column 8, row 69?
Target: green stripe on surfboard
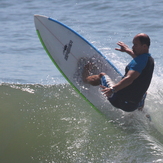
column 38, row 33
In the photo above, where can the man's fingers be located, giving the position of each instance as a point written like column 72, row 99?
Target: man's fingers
column 103, row 86
column 117, row 49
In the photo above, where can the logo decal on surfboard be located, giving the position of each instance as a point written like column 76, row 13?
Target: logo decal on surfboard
column 67, row 49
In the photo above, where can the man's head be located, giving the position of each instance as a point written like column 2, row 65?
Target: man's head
column 141, row 44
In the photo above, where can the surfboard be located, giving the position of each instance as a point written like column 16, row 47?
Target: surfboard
column 70, row 52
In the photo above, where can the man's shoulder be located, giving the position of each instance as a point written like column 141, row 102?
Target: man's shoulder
column 143, row 56
column 139, row 63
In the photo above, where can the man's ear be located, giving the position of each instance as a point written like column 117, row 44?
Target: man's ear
column 145, row 46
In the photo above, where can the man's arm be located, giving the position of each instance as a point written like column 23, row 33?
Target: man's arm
column 125, row 48
column 126, row 81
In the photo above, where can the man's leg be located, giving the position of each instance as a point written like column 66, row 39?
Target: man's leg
column 142, row 102
column 94, row 80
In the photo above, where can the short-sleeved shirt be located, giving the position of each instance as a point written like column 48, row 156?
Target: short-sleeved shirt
column 138, row 63
column 144, row 64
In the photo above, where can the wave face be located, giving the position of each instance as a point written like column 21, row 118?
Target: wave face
column 52, row 123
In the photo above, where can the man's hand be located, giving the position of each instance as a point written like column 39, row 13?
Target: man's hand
column 125, row 48
column 106, row 91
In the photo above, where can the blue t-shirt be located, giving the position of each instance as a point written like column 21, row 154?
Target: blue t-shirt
column 139, row 63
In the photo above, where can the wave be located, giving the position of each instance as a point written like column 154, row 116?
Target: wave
column 53, row 123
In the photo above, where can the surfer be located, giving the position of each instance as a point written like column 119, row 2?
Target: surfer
column 129, row 94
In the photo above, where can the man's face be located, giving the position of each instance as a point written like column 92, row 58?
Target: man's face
column 137, row 47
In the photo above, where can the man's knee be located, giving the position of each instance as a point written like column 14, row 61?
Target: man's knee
column 101, row 74
column 94, row 80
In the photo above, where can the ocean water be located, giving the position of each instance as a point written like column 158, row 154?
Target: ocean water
column 42, row 119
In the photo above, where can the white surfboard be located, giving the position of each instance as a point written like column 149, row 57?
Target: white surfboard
column 70, row 52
